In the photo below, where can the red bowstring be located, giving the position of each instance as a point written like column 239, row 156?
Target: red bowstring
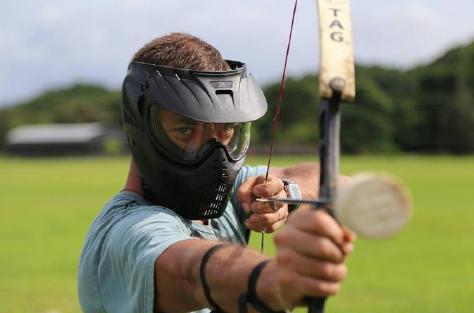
column 282, row 91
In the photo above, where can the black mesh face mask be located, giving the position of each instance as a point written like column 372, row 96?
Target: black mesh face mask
column 189, row 132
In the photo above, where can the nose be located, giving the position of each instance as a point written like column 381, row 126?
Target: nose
column 215, row 131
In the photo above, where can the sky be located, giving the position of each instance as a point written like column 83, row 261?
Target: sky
column 56, row 43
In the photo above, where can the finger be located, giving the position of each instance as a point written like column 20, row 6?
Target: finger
column 270, row 218
column 256, row 228
column 268, row 230
column 307, row 266
column 274, row 227
column 309, row 244
column 270, row 206
column 268, row 188
column 258, row 225
column 307, row 285
column 246, row 207
column 347, row 248
column 349, row 236
column 244, row 192
column 318, row 222
column 265, row 207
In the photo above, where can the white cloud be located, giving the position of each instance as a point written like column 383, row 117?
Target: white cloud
column 406, row 33
column 51, row 42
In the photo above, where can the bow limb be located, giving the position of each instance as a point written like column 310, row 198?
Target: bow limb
column 336, row 84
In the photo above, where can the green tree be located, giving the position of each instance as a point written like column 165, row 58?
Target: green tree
column 366, row 124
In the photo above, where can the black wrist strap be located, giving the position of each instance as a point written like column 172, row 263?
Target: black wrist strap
column 251, row 295
column 202, row 274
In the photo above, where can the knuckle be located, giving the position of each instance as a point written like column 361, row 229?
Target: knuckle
column 277, row 216
column 272, row 218
column 275, row 179
column 315, row 287
column 285, row 236
column 283, row 211
column 326, row 269
column 281, row 185
column 285, row 278
column 272, row 228
column 266, row 219
column 255, row 207
column 281, row 218
column 323, row 288
column 282, row 194
column 280, row 238
column 321, row 221
column 334, row 289
column 240, row 193
column 342, row 272
column 323, row 246
column 284, row 258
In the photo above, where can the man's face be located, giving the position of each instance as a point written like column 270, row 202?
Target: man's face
column 189, row 135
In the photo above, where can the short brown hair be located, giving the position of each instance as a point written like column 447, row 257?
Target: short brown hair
column 184, row 51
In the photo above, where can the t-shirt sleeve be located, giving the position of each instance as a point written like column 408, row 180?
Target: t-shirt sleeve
column 127, row 268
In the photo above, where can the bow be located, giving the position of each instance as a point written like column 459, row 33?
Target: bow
column 336, row 84
column 389, row 207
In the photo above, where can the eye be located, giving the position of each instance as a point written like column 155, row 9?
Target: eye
column 230, row 126
column 185, row 131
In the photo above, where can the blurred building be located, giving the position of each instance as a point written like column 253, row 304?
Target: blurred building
column 65, row 139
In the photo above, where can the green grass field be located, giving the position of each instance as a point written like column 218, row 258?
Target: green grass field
column 46, row 206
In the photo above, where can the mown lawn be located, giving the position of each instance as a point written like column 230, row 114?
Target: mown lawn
column 46, row 206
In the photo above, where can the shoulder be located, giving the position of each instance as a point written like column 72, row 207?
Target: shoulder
column 141, row 220
column 128, row 221
column 123, row 243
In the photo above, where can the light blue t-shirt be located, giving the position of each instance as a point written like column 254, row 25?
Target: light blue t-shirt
column 117, row 264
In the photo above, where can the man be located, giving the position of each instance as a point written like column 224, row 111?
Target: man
column 174, row 239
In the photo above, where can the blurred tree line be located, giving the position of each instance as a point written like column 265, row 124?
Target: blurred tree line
column 427, row 109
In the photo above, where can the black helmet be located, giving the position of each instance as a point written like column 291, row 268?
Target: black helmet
column 189, row 132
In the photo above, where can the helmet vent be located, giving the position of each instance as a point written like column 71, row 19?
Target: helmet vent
column 214, row 201
column 224, row 173
column 141, row 105
column 129, row 115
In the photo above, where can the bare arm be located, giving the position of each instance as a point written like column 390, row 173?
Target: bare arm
column 178, row 285
column 311, row 251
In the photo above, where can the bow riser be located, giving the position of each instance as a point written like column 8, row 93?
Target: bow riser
column 336, row 84
column 329, row 151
